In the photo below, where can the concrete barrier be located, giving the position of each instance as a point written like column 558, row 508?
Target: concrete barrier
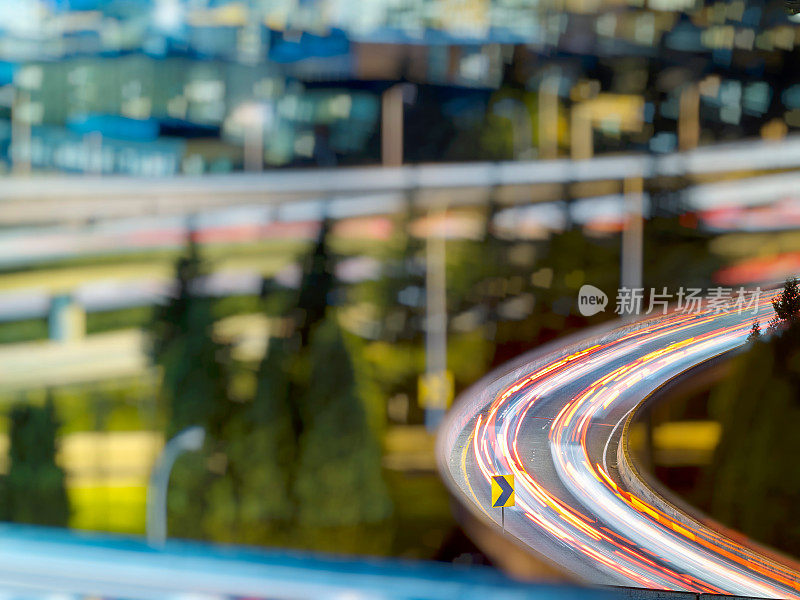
column 721, row 596
column 629, row 474
column 634, row 593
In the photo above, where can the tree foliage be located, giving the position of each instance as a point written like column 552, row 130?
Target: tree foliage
column 750, row 484
column 194, row 365
column 34, row 490
column 396, row 298
column 298, row 464
column 263, row 449
column 316, row 285
column 339, row 480
column 787, row 304
column 194, row 391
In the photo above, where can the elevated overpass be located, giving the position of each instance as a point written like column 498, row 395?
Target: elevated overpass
column 56, row 217
column 557, row 419
column 48, row 199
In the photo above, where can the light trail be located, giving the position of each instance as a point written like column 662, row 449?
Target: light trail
column 572, row 508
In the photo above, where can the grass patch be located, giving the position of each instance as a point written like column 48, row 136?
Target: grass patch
column 422, row 513
column 107, row 406
column 114, row 405
column 167, row 255
column 119, row 509
column 112, row 320
column 27, row 330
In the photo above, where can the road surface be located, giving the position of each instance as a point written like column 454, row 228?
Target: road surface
column 554, row 420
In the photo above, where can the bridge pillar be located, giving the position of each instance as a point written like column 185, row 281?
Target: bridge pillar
column 66, row 319
column 632, row 234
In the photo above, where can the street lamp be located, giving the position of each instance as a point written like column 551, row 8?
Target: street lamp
column 190, row 439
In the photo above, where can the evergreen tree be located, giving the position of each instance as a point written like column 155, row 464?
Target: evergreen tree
column 755, row 331
column 300, row 464
column 339, row 481
column 34, row 489
column 316, row 285
column 263, row 449
column 194, row 391
column 787, row 304
column 168, row 324
column 749, row 484
column 194, row 364
column 397, row 296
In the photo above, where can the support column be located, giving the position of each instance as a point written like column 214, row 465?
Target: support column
column 436, row 326
column 581, row 142
column 66, row 320
column 548, row 117
column 392, row 127
column 254, row 145
column 632, row 234
column 20, row 149
column 689, row 118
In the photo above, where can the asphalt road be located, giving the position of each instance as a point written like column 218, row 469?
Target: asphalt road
column 554, row 419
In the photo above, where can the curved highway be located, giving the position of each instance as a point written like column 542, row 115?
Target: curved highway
column 554, row 420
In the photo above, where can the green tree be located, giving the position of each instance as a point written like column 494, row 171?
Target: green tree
column 751, row 485
column 194, row 365
column 339, row 483
column 316, row 284
column 194, row 391
column 787, row 304
column 263, row 450
column 34, row 489
column 168, row 322
column 396, row 297
column 300, row 464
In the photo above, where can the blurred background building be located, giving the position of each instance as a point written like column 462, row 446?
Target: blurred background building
column 165, row 87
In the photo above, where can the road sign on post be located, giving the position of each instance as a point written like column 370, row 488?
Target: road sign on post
column 502, row 491
column 502, row 495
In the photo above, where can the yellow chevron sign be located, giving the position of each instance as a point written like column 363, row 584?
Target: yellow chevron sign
column 502, row 491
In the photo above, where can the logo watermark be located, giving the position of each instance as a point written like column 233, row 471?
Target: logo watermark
column 634, row 301
column 591, row 300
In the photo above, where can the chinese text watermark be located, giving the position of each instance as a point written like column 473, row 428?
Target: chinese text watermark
column 635, row 301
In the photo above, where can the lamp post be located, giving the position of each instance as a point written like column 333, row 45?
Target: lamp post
column 190, row 439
